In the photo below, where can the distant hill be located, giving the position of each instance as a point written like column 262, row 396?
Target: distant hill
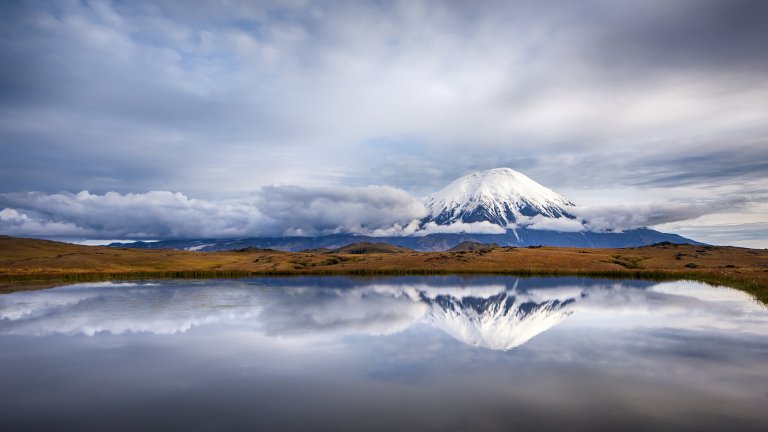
column 369, row 248
column 473, row 246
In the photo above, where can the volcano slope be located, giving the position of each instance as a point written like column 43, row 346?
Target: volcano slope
column 41, row 261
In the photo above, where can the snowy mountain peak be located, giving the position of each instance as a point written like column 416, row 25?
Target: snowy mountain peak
column 500, row 196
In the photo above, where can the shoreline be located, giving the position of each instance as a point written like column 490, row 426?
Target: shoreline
column 16, row 283
column 27, row 262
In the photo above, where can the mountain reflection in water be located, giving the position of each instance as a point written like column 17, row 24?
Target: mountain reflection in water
column 502, row 321
column 491, row 316
column 408, row 353
column 482, row 312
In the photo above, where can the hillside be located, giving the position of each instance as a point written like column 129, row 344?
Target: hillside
column 468, row 246
column 369, row 248
column 41, row 260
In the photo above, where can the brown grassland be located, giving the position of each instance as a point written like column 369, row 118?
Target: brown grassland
column 31, row 263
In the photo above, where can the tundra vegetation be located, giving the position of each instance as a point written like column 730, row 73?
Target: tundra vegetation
column 30, row 263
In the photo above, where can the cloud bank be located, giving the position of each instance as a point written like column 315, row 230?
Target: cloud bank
column 638, row 215
column 298, row 210
column 272, row 211
column 291, row 211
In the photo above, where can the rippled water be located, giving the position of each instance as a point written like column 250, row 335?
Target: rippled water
column 409, row 353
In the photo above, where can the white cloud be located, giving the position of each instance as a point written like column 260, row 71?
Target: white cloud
column 13, row 222
column 561, row 224
column 483, row 227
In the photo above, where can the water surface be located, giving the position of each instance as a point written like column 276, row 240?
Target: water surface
column 408, row 353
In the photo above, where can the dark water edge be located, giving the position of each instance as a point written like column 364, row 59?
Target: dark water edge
column 472, row 352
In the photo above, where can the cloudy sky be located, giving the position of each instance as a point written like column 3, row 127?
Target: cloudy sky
column 219, row 118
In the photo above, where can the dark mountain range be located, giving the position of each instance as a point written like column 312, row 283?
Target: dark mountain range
column 433, row 242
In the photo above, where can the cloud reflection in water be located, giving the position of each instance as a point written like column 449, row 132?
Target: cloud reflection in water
column 489, row 313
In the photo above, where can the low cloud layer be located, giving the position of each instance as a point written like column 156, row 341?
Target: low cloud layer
column 543, row 223
column 298, row 210
column 274, row 210
column 628, row 216
column 156, row 214
column 290, row 211
column 483, row 227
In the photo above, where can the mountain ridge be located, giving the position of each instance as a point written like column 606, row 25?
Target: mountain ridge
column 521, row 237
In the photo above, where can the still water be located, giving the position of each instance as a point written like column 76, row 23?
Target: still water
column 408, row 353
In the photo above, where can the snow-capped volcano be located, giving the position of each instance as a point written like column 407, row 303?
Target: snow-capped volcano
column 501, row 196
column 500, row 322
column 499, row 206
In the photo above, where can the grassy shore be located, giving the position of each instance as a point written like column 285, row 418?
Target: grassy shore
column 27, row 261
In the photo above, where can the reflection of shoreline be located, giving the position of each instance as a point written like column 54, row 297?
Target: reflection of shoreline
column 497, row 314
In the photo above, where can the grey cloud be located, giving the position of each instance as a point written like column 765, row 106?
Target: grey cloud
column 750, row 234
column 189, row 85
column 633, row 215
column 332, row 210
column 629, row 216
column 729, row 37
column 281, row 210
column 697, row 165
column 216, row 100
column 150, row 215
column 274, row 210
column 91, row 89
column 734, row 164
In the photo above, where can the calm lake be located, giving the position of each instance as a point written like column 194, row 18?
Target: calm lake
column 406, row 353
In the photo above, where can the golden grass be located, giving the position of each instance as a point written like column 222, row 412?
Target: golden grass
column 41, row 260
